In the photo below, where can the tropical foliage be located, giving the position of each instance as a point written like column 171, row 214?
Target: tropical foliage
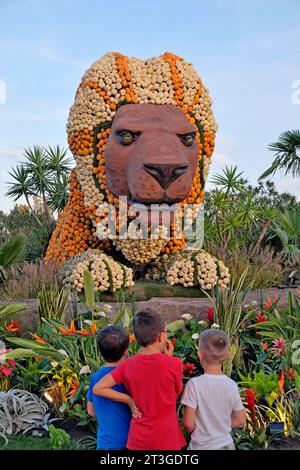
column 287, row 156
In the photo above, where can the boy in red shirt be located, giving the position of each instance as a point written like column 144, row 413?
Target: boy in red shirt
column 153, row 379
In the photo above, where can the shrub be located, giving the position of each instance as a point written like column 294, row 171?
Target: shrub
column 25, row 283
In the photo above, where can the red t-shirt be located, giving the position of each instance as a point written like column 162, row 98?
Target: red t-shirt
column 154, row 381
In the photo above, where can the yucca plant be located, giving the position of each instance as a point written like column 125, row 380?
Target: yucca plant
column 53, row 303
column 228, row 313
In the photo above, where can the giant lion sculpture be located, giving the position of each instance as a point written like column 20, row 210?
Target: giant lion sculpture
column 142, row 131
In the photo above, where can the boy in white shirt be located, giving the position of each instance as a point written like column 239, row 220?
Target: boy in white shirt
column 213, row 405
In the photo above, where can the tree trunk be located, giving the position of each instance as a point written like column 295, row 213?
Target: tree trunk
column 31, row 210
column 261, row 236
column 46, row 210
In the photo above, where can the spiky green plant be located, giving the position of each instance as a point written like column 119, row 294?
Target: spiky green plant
column 228, row 313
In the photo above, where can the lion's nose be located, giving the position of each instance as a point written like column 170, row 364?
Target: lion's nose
column 165, row 173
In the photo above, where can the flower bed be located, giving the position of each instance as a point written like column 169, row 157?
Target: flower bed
column 56, row 361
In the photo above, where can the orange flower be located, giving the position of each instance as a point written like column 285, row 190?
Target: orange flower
column 281, row 382
column 91, row 332
column 93, row 328
column 132, row 339
column 14, row 327
column 264, row 346
column 68, row 331
column 38, row 339
column 74, row 389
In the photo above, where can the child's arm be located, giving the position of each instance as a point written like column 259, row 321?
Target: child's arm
column 238, row 419
column 104, row 389
column 90, row 408
column 238, row 415
column 189, row 421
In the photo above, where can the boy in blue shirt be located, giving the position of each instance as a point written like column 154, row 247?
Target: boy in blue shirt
column 113, row 417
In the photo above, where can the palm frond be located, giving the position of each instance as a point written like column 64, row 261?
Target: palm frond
column 12, row 252
column 287, row 155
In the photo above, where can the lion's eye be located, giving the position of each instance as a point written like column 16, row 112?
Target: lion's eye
column 188, row 139
column 126, row 137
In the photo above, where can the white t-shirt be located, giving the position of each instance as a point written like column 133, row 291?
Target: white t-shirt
column 214, row 397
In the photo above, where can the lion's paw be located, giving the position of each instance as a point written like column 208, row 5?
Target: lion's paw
column 107, row 274
column 197, row 268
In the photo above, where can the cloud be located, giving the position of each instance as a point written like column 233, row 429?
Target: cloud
column 49, row 53
column 288, row 184
column 221, row 159
column 11, row 153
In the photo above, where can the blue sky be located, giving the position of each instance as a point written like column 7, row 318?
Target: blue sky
column 246, row 51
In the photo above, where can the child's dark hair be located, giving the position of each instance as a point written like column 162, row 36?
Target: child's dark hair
column 147, row 324
column 112, row 342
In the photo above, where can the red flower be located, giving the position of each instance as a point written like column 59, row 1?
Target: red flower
column 291, row 373
column 264, row 346
column 268, row 303
column 7, row 368
column 261, row 318
column 210, row 314
column 14, row 327
column 188, row 369
column 279, row 347
column 173, row 341
column 251, row 402
column 281, row 382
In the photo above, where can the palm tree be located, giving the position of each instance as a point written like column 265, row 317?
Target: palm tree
column 287, row 229
column 44, row 174
column 22, row 186
column 287, row 155
column 58, row 194
column 57, row 160
column 230, row 181
column 37, row 166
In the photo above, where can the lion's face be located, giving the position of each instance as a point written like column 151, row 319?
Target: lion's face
column 151, row 154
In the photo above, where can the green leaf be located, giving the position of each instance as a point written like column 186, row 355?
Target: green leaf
column 94, row 365
column 175, row 326
column 78, row 394
column 89, row 289
column 272, row 397
column 11, row 309
column 26, row 343
column 20, row 353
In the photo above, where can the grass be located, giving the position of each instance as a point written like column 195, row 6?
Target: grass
column 20, row 442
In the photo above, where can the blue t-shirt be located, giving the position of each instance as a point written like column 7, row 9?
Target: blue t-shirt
column 113, row 417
